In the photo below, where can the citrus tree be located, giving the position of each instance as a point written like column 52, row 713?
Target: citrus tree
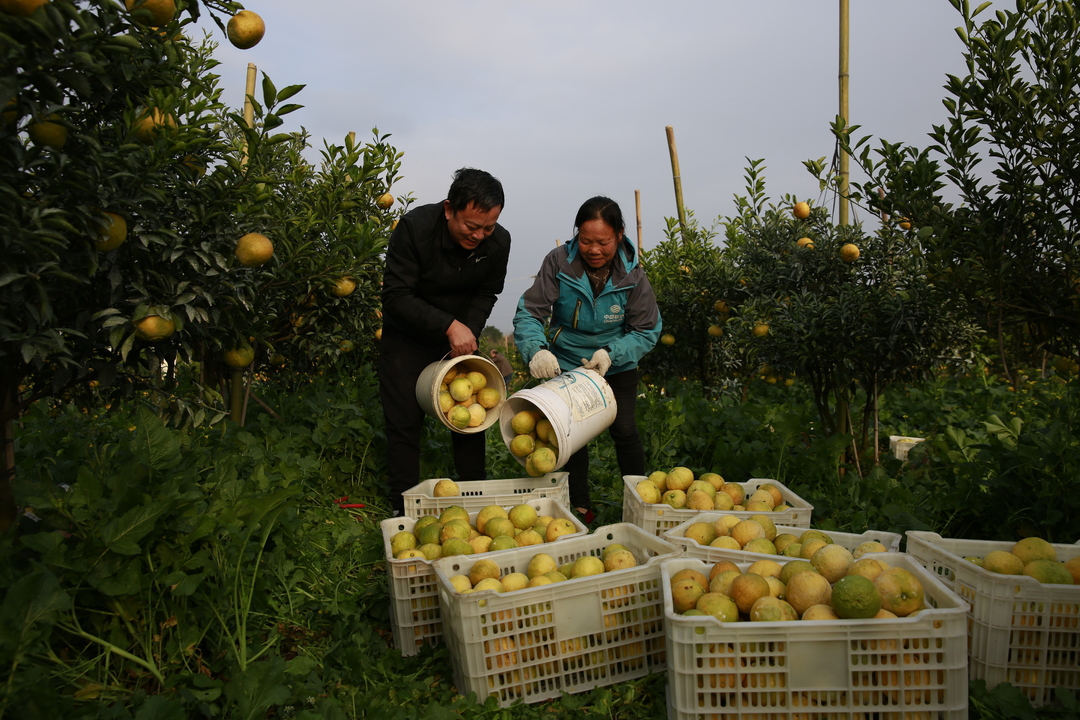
column 1008, row 149
column 147, row 238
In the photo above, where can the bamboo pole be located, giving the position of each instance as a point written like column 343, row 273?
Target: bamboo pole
column 678, row 180
column 637, row 207
column 352, row 138
column 844, row 159
column 249, row 108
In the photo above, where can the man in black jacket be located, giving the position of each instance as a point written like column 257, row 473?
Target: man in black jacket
column 445, row 265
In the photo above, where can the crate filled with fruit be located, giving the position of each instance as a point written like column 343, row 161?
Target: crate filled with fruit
column 663, row 500
column 431, row 497
column 411, row 544
column 784, row 638
column 1025, row 607
column 533, row 623
column 725, row 536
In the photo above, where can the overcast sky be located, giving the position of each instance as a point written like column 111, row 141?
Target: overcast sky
column 565, row 100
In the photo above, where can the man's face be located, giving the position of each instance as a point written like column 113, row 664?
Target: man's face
column 471, row 226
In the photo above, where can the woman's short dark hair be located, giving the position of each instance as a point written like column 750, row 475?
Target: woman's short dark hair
column 601, row 208
column 476, row 187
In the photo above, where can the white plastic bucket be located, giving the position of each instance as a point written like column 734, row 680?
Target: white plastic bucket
column 579, row 404
column 429, row 384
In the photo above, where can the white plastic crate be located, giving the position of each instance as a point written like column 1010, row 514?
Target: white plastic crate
column 913, row 667
column 1020, row 631
column 414, row 600
column 677, row 535
column 658, row 518
column 537, row 643
column 899, row 445
column 478, row 494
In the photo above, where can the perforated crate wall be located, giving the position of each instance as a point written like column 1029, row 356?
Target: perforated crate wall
column 478, row 494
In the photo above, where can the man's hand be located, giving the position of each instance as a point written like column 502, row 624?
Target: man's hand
column 462, row 340
column 544, row 365
column 600, row 362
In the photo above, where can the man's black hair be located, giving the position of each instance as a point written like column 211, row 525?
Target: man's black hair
column 476, row 187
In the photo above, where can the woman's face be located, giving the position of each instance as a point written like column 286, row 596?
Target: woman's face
column 597, row 242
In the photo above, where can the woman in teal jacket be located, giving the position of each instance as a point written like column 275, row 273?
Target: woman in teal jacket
column 591, row 305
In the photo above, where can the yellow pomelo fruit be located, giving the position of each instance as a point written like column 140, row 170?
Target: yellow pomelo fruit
column 685, row 594
column 814, row 535
column 699, row 500
column 805, row 242
column 724, row 523
column 384, row 201
column 619, row 560
column 762, row 546
column 539, row 580
column 715, row 331
column 431, row 551
column 674, row 498
column 855, row 597
column 497, row 525
column 502, row 542
column 648, row 492
column 152, row 12
column 833, row 562
column 760, row 330
column 48, row 133
column 659, row 479
column 540, row 564
column 1034, row 548
column 486, row 513
column 735, row 491
column 523, row 423
column 667, row 339
column 679, row 478
column 460, row 389
column 523, row 516
column 782, row 540
column 488, row 397
column 901, row 592
column 713, row 479
column 445, row 402
column 543, row 460
column 151, row 123
column 239, row 357
column 763, row 496
column 720, row 566
column 765, row 568
column 746, row 531
column 1073, row 566
column 1049, row 571
column 452, row 512
column 460, row 582
column 515, row 581
column 430, row 533
column 112, row 232
column 154, row 328
column 821, row 612
column 809, row 547
column 410, row 554
column 702, row 533
column 868, row 567
column 482, row 569
column 1003, row 562
column 801, row 210
column 723, row 501
column 585, row 566
column 849, row 252
column 422, row 522
column 456, row 528
column 477, row 415
column 746, row 589
column 778, row 497
column 543, row 429
column 758, row 506
column 21, row 8
column 456, row 546
column 447, row 488
column 807, row 588
column 488, row 584
column 245, row 29
column 343, row 287
column 557, row 528
column 522, row 445
column 793, row 566
column 793, row 550
column 718, row 605
column 525, row 538
column 767, row 524
column 478, row 380
column 727, row 542
column 772, row 609
column 254, row 249
column 403, row 540
column 459, row 416
column 703, row 485
column 870, row 546
column 721, row 582
column 695, row 575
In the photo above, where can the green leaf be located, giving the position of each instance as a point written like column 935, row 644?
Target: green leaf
column 154, row 444
column 123, row 534
column 29, row 606
column 269, row 91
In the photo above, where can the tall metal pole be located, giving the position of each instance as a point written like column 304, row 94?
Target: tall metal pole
column 844, row 159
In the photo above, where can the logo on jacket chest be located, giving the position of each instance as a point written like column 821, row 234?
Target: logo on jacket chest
column 615, row 314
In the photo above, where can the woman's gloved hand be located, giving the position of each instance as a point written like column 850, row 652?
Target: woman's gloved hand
column 600, row 362
column 544, row 364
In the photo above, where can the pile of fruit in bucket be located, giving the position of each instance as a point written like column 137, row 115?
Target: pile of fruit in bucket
column 535, row 440
column 465, row 398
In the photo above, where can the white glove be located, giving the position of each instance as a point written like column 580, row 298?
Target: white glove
column 601, row 362
column 544, row 365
